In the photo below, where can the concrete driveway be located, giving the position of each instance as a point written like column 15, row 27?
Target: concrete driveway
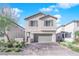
column 48, row 49
column 43, row 49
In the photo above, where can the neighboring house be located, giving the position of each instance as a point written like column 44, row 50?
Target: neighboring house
column 60, row 33
column 40, row 28
column 15, row 32
column 67, row 32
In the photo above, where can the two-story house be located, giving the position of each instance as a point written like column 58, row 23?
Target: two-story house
column 67, row 32
column 40, row 28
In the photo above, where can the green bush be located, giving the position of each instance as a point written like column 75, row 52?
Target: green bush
column 17, row 49
column 75, row 49
column 23, row 44
column 2, row 49
column 74, row 42
column 64, row 43
column 71, row 45
column 2, row 42
column 18, row 44
column 11, row 46
column 8, row 50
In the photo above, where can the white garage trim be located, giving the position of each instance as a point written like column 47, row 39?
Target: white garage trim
column 53, row 37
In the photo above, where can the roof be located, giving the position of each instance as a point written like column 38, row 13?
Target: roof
column 40, row 13
column 68, row 23
column 72, row 22
column 61, row 26
column 18, row 25
column 48, row 16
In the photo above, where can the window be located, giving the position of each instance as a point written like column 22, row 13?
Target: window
column 67, row 35
column 48, row 23
column 33, row 23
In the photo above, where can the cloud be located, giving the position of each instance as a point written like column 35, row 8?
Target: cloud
column 52, row 6
column 46, row 9
column 58, row 16
column 59, row 19
column 56, row 10
column 66, row 5
column 56, row 7
column 49, row 9
column 16, row 12
column 17, row 9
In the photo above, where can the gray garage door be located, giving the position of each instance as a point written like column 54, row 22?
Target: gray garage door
column 42, row 38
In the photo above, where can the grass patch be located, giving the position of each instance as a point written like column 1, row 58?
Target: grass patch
column 72, row 45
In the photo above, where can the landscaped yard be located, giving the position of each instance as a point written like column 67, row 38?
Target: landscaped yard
column 42, row 49
column 12, row 46
column 72, row 45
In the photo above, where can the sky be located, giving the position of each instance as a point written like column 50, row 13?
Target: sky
column 65, row 12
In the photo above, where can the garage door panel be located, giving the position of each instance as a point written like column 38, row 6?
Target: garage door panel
column 44, row 38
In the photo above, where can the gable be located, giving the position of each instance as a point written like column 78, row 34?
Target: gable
column 35, row 15
column 48, row 16
column 40, row 16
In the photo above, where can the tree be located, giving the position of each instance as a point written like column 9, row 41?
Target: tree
column 5, row 24
column 8, row 12
column 7, row 19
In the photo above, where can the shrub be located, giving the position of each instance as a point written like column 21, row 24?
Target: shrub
column 64, row 43
column 71, row 45
column 74, row 42
column 18, row 44
column 75, row 49
column 8, row 50
column 67, row 44
column 23, row 44
column 17, row 49
column 2, row 49
column 11, row 46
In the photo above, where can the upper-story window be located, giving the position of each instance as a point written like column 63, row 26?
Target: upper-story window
column 33, row 23
column 48, row 23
